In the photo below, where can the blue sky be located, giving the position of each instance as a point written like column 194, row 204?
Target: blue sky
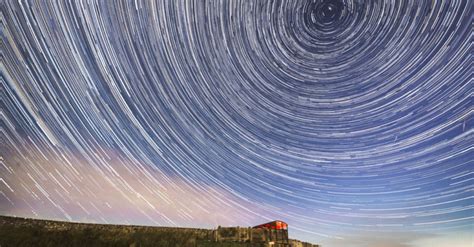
column 350, row 120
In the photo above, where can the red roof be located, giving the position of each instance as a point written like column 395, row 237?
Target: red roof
column 277, row 224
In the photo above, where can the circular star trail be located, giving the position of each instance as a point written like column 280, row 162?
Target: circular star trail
column 333, row 115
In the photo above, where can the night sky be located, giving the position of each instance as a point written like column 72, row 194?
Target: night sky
column 350, row 120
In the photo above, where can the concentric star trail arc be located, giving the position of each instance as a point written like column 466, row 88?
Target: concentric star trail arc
column 340, row 117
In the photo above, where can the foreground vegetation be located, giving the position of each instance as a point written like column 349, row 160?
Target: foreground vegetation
column 29, row 232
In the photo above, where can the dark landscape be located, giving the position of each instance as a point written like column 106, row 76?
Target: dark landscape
column 32, row 232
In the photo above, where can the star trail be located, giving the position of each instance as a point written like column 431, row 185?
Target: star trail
column 345, row 118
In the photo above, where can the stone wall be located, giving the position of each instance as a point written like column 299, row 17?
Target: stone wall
column 297, row 243
column 252, row 235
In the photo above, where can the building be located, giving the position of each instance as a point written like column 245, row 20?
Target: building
column 270, row 234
